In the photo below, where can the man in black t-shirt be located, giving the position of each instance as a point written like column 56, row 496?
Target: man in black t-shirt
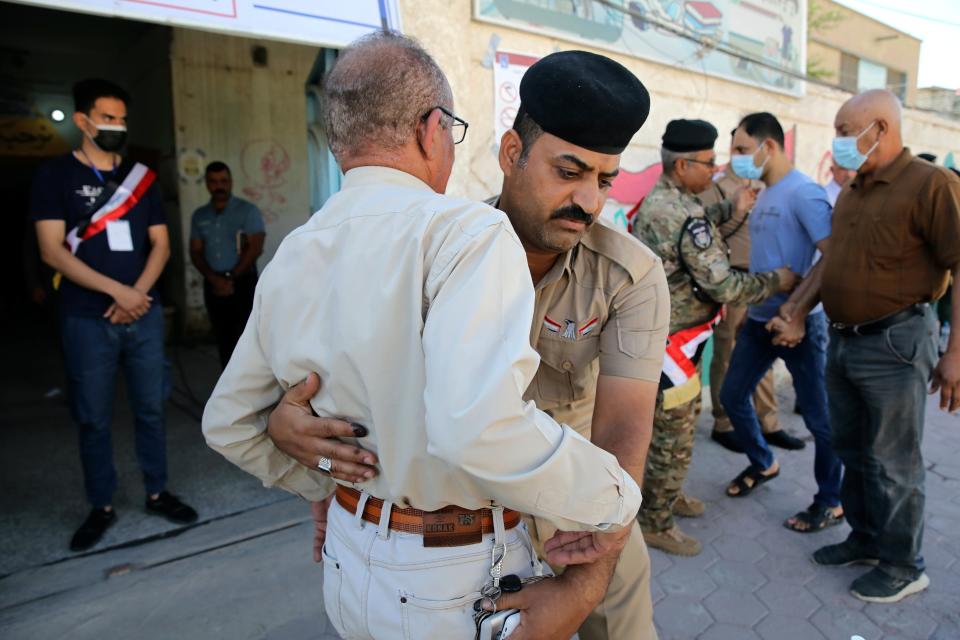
column 101, row 225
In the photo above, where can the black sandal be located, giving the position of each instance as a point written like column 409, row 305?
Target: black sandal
column 751, row 473
column 817, row 517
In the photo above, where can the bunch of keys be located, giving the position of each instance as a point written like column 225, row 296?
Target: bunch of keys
column 497, row 625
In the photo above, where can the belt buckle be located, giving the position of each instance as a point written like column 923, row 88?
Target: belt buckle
column 452, row 527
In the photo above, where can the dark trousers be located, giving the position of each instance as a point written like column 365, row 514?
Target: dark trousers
column 878, row 389
column 94, row 350
column 228, row 314
column 753, row 355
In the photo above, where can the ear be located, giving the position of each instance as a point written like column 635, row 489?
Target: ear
column 510, row 149
column 883, row 127
column 428, row 131
column 80, row 121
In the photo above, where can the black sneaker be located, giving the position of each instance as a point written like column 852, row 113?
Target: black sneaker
column 92, row 529
column 842, row 555
column 878, row 586
column 727, row 440
column 784, row 440
column 168, row 506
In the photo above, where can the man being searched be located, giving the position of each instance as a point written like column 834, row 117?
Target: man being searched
column 673, row 222
column 896, row 239
column 789, row 223
column 600, row 318
column 226, row 238
column 425, row 342
column 736, row 234
column 101, row 225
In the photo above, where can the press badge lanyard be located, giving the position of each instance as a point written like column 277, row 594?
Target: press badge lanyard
column 94, row 167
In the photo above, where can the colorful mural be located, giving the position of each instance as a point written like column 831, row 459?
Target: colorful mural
column 683, row 32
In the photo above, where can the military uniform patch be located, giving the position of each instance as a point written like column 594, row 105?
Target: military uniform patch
column 699, row 231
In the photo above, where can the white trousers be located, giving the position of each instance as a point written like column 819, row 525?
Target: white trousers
column 380, row 584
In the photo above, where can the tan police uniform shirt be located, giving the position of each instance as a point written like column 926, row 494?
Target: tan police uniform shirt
column 414, row 308
column 603, row 309
column 894, row 239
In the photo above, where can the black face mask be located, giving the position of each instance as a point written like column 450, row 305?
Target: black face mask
column 111, row 139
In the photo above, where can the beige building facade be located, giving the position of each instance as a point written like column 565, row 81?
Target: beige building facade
column 857, row 53
column 253, row 102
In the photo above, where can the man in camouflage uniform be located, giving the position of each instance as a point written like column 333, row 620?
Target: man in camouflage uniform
column 675, row 225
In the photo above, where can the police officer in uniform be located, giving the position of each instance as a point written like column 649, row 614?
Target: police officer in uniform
column 601, row 313
column 675, row 225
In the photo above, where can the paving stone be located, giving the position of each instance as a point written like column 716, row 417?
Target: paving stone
column 788, row 568
column 659, row 562
column 681, row 618
column 780, row 627
column 702, row 561
column 739, row 549
column 683, row 581
column 902, row 620
column 791, row 599
column 842, row 623
column 737, row 576
column 656, row 591
column 831, row 586
column 735, row 607
column 728, row 632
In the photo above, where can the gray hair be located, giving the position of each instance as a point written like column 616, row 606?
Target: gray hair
column 377, row 92
column 669, row 159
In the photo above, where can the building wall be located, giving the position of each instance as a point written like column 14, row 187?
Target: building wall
column 675, row 93
column 867, row 39
column 251, row 117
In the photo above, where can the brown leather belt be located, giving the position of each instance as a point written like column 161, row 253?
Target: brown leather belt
column 448, row 527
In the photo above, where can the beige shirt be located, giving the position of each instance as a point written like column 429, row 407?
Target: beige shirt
column 604, row 308
column 415, row 310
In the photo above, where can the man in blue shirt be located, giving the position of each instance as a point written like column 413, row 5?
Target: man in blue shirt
column 790, row 221
column 101, row 226
column 226, row 238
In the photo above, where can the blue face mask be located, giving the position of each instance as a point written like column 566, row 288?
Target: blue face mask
column 845, row 151
column 743, row 166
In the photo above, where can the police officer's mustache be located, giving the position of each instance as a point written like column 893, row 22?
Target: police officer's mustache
column 573, row 212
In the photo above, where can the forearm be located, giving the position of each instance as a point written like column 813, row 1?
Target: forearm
column 247, row 259
column 156, row 261
column 806, row 296
column 200, row 262
column 592, row 580
column 953, row 344
column 79, row 272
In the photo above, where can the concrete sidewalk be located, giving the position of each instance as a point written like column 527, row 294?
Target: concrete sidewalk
column 246, row 572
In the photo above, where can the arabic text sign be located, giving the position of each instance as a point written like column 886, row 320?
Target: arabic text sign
column 315, row 22
column 771, row 31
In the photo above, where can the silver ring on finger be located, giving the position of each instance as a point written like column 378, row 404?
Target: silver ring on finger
column 325, row 464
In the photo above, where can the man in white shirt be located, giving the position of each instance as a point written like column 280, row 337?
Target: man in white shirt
column 414, row 331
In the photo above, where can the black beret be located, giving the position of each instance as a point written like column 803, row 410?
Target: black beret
column 689, row 135
column 586, row 99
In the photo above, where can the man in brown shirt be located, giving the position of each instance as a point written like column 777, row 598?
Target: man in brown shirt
column 895, row 240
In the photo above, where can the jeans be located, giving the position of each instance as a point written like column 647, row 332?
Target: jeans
column 753, row 355
column 878, row 391
column 93, row 350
